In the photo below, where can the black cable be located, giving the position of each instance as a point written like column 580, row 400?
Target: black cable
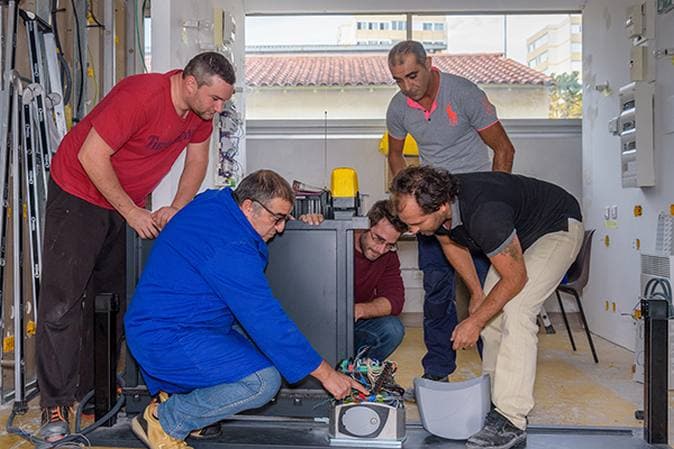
column 90, row 9
column 73, row 440
column 66, row 78
column 83, row 74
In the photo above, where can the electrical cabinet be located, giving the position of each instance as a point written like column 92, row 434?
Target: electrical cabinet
column 635, row 129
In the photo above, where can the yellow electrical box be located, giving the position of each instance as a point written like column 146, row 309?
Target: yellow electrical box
column 344, row 183
column 410, row 147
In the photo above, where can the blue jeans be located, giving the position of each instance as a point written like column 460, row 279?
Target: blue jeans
column 383, row 335
column 440, row 304
column 183, row 413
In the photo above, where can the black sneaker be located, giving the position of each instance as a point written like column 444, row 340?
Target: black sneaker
column 497, row 433
column 409, row 395
column 55, row 425
column 207, row 433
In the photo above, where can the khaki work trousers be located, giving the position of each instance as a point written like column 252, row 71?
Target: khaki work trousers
column 510, row 338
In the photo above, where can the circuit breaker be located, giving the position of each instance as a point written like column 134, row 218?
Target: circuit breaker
column 635, row 129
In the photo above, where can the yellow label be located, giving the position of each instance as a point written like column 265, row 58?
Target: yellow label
column 638, row 210
column 671, row 209
column 607, row 241
column 8, row 344
column 31, row 328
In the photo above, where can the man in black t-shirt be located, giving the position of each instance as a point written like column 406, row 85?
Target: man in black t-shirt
column 531, row 231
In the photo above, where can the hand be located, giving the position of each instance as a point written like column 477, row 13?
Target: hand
column 340, row 385
column 336, row 383
column 358, row 312
column 476, row 301
column 163, row 215
column 142, row 222
column 466, row 333
column 312, row 219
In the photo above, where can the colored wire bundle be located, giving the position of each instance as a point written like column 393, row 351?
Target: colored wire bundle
column 377, row 377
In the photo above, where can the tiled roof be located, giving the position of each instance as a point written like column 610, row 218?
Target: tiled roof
column 280, row 70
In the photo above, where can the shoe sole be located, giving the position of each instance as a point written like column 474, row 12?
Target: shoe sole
column 517, row 442
column 138, row 430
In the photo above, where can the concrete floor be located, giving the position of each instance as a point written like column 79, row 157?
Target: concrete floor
column 570, row 388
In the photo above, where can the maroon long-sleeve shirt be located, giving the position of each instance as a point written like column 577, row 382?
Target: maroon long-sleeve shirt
column 379, row 278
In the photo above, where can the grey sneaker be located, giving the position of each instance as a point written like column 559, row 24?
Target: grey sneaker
column 409, row 395
column 497, row 433
column 55, row 425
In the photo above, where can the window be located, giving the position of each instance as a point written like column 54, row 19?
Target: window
column 399, row 25
column 342, row 58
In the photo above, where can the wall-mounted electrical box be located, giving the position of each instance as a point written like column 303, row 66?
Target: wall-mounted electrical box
column 635, row 128
column 640, row 21
column 224, row 28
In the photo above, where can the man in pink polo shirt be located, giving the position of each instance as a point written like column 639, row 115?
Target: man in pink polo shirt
column 101, row 174
column 453, row 123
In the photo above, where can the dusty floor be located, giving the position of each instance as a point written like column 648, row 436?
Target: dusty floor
column 570, row 388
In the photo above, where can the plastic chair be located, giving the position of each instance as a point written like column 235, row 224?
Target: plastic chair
column 576, row 280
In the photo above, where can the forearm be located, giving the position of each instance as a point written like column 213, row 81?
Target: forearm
column 498, row 297
column 190, row 181
column 503, row 160
column 396, row 162
column 373, row 309
column 462, row 262
column 103, row 176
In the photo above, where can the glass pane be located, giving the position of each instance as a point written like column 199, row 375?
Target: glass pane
column 530, row 66
column 317, row 67
column 335, row 67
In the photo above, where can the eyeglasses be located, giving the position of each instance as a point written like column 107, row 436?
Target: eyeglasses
column 379, row 240
column 278, row 217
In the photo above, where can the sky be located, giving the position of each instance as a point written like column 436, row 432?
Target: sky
column 462, row 35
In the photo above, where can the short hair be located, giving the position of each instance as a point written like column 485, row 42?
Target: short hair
column 397, row 53
column 263, row 186
column 205, row 65
column 383, row 209
column 431, row 187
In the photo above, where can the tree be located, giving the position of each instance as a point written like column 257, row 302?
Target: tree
column 566, row 98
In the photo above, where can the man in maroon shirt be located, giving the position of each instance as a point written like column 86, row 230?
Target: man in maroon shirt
column 101, row 174
column 379, row 294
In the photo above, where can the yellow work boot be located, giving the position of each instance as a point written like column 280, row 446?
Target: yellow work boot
column 148, row 429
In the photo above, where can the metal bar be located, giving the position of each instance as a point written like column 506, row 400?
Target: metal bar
column 35, row 51
column 656, row 331
column 106, row 306
column 109, row 60
column 32, row 193
column 16, row 248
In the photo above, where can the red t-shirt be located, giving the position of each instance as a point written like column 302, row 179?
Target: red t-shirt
column 377, row 278
column 138, row 121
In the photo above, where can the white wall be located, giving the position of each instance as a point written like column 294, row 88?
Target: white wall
column 172, row 47
column 550, row 151
column 615, row 269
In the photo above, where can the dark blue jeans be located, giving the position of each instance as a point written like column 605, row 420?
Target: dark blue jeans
column 440, row 316
column 383, row 335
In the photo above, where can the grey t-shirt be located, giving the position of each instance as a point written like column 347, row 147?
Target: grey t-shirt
column 447, row 135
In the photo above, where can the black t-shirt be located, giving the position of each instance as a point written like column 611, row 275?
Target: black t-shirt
column 493, row 207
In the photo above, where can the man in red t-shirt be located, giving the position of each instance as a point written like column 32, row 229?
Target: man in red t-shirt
column 379, row 294
column 101, row 174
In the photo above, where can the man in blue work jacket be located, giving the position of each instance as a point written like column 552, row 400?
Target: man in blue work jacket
column 204, row 279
